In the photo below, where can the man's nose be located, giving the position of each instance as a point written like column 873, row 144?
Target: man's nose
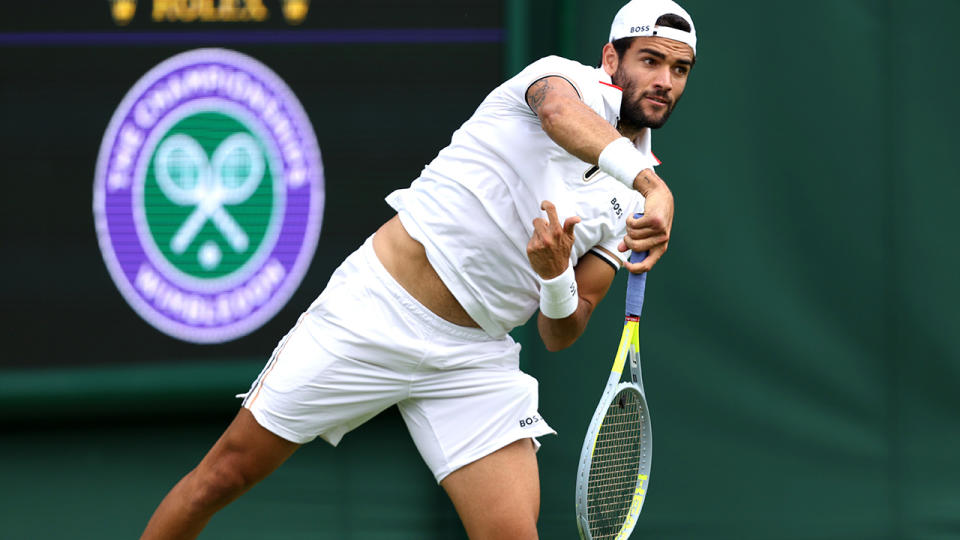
column 663, row 79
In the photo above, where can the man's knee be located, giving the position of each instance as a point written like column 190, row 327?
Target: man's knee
column 215, row 485
column 244, row 455
column 515, row 528
column 514, row 521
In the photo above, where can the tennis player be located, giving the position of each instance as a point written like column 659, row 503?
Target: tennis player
column 529, row 207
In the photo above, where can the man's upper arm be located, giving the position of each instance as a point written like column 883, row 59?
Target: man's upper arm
column 594, row 277
column 567, row 117
column 550, row 87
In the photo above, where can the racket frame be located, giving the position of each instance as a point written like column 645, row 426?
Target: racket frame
column 629, row 348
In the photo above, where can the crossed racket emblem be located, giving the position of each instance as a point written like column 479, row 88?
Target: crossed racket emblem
column 188, row 178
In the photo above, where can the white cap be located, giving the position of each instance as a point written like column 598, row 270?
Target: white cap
column 639, row 18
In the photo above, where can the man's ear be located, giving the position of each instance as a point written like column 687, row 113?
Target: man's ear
column 610, row 59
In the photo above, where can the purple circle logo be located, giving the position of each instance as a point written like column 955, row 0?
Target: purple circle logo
column 208, row 196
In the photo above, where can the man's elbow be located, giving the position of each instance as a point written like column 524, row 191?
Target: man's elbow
column 558, row 343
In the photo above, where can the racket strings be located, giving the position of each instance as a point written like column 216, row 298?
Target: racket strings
column 615, row 466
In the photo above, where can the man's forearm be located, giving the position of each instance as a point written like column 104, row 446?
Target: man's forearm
column 558, row 334
column 577, row 128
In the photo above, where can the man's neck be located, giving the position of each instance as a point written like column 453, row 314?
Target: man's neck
column 630, row 132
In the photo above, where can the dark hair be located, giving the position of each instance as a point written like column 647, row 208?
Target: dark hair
column 670, row 20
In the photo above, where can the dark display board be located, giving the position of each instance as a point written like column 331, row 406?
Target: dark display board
column 382, row 86
column 799, row 340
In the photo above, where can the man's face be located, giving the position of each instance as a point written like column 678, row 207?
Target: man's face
column 653, row 74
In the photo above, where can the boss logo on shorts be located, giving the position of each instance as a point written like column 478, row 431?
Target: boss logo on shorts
column 529, row 421
column 208, row 195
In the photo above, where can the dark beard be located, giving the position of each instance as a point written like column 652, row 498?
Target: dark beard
column 631, row 113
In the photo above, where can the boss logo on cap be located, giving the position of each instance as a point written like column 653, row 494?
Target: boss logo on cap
column 639, row 29
column 208, row 195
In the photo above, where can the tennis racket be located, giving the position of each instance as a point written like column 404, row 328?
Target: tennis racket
column 614, row 466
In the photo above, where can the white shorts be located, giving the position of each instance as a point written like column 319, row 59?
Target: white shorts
column 366, row 344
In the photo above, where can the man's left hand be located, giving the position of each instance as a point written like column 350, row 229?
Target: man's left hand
column 549, row 247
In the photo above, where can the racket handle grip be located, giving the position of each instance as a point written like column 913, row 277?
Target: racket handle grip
column 636, row 283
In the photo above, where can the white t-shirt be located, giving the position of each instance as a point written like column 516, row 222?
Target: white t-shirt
column 473, row 206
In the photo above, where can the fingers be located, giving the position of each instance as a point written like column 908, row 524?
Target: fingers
column 553, row 220
column 642, row 244
column 569, row 224
column 551, row 243
column 646, row 264
column 551, row 211
column 539, row 224
column 645, row 226
column 657, row 246
column 644, row 234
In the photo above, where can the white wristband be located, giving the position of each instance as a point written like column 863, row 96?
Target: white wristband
column 558, row 295
column 621, row 160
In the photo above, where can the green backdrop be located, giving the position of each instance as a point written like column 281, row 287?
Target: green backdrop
column 799, row 343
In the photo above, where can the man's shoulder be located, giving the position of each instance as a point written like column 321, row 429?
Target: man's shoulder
column 560, row 64
column 582, row 77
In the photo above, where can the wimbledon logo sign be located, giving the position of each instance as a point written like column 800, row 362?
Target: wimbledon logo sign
column 208, row 195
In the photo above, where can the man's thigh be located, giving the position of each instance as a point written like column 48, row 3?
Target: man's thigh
column 498, row 496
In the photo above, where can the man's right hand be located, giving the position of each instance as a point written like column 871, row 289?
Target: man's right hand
column 652, row 231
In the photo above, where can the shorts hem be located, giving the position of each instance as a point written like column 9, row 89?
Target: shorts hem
column 267, row 423
column 495, row 445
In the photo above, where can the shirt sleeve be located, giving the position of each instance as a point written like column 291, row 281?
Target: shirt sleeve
column 604, row 99
column 632, row 203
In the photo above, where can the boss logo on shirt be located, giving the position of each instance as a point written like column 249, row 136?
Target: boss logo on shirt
column 616, row 208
